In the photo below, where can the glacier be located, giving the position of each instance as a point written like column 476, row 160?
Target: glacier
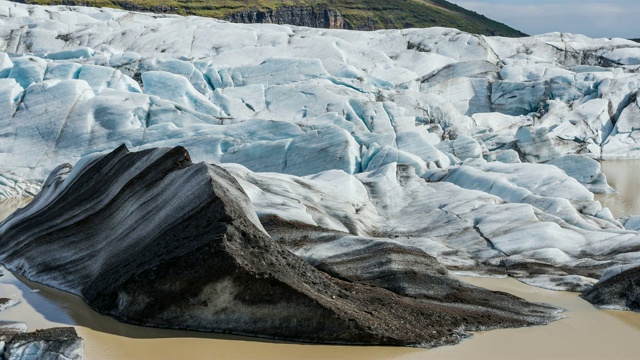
column 153, row 239
column 481, row 151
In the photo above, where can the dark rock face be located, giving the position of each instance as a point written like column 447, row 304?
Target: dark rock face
column 319, row 17
column 621, row 291
column 49, row 344
column 152, row 239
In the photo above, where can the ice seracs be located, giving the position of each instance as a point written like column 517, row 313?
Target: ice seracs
column 555, row 228
column 440, row 83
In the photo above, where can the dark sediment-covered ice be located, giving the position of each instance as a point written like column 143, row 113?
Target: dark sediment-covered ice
column 152, row 239
column 619, row 292
column 62, row 343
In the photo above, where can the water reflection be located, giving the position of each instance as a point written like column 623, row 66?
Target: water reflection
column 64, row 308
column 624, row 176
column 586, row 333
column 8, row 206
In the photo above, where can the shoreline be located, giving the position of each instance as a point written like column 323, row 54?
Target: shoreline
column 586, row 332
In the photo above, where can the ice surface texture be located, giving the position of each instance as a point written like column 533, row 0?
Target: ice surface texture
column 75, row 81
column 463, row 111
column 152, row 239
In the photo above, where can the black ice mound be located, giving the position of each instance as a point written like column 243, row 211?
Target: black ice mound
column 152, row 239
column 62, row 343
column 619, row 292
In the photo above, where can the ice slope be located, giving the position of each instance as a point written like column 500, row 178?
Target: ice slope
column 344, row 108
column 506, row 220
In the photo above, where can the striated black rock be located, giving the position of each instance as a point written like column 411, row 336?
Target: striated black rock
column 152, row 239
column 621, row 291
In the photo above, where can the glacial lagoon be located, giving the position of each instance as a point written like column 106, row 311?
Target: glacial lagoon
column 622, row 175
column 585, row 333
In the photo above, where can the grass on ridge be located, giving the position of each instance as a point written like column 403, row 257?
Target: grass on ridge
column 358, row 14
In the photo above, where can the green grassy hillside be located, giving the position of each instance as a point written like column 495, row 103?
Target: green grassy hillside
column 357, row 14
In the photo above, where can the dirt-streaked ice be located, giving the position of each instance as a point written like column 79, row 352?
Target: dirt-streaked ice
column 415, row 133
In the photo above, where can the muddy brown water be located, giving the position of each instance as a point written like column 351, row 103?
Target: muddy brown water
column 586, row 333
column 624, row 176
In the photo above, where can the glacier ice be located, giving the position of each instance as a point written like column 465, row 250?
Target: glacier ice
column 340, row 115
column 14, row 186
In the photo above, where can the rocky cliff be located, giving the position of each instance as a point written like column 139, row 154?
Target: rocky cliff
column 311, row 16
